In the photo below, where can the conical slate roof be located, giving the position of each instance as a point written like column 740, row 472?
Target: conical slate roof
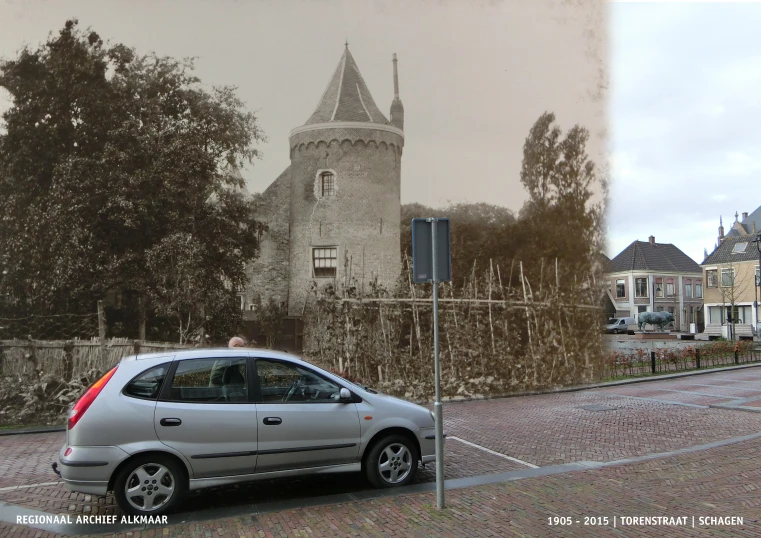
column 347, row 98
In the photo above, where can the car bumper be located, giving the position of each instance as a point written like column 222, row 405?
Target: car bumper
column 88, row 469
column 427, row 440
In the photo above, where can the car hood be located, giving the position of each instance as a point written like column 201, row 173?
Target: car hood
column 384, row 399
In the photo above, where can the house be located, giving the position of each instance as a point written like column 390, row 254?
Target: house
column 731, row 274
column 656, row 277
column 333, row 215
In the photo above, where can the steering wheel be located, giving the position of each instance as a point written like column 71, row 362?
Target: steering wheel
column 292, row 390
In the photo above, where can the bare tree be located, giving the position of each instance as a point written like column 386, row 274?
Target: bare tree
column 730, row 290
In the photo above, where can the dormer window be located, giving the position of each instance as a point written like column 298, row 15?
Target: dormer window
column 328, row 184
column 739, row 248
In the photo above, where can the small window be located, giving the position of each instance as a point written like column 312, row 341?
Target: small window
column 242, row 300
column 281, row 382
column 669, row 289
column 620, row 289
column 659, row 287
column 148, row 384
column 712, row 278
column 727, row 277
column 641, row 287
column 210, row 381
column 688, row 290
column 252, row 307
column 325, row 262
column 739, row 248
column 698, row 291
column 758, row 276
column 328, row 184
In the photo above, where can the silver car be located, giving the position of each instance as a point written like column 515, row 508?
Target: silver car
column 157, row 426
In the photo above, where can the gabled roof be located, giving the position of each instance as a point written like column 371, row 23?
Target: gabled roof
column 347, row 97
column 747, row 224
column 644, row 256
column 727, row 253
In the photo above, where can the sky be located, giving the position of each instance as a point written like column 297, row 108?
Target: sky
column 685, row 104
column 474, row 75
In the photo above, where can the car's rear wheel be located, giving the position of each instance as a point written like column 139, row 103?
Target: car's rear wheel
column 392, row 462
column 150, row 485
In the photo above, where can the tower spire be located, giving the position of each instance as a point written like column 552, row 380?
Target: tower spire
column 396, row 79
column 397, row 109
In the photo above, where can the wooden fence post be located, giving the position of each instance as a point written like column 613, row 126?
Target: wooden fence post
column 102, row 332
column 68, row 360
column 136, row 347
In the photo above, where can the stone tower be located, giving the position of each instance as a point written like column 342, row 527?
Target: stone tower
column 345, row 185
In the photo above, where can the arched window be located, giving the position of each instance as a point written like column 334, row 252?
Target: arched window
column 328, row 184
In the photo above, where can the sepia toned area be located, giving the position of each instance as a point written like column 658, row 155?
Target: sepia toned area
column 155, row 203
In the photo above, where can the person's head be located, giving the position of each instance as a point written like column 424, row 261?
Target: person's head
column 237, row 341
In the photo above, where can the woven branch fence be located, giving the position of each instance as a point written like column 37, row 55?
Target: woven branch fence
column 494, row 338
column 67, row 359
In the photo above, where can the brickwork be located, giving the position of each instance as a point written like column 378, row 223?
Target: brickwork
column 721, row 482
column 361, row 219
column 349, row 136
column 268, row 274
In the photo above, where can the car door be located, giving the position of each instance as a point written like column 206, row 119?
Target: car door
column 300, row 419
column 206, row 414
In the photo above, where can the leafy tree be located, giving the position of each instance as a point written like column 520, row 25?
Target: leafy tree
column 109, row 159
column 560, row 220
column 479, row 232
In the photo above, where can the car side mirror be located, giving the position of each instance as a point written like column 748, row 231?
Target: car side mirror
column 344, row 395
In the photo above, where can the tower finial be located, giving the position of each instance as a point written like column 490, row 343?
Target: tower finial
column 346, row 44
column 396, row 79
column 397, row 109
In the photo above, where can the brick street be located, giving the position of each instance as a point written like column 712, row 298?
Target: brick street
column 598, row 425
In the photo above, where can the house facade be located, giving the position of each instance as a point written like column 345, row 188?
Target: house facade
column 731, row 273
column 656, row 277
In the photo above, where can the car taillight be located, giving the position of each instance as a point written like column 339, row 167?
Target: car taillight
column 88, row 398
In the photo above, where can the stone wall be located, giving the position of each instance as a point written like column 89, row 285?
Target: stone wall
column 362, row 219
column 268, row 274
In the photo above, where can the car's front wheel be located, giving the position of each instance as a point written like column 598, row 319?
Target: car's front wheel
column 392, row 462
column 150, row 485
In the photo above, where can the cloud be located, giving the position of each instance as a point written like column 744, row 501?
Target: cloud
column 685, row 85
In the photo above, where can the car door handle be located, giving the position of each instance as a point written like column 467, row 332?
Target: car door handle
column 170, row 422
column 272, row 421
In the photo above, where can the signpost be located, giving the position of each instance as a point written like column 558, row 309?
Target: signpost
column 432, row 262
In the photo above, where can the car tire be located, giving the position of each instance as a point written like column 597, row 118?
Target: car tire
column 392, row 462
column 615, row 331
column 151, row 477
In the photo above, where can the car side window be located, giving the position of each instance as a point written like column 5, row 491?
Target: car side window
column 147, row 385
column 281, row 382
column 210, row 381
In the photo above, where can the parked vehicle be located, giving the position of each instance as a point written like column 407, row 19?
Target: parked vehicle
column 619, row 325
column 157, row 426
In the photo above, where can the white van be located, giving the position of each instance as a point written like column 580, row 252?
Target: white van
column 619, row 325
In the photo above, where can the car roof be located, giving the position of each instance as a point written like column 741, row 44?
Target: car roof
column 210, row 353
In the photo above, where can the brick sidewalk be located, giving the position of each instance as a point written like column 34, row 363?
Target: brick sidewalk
column 720, row 482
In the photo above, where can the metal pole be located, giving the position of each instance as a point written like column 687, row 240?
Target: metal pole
column 438, row 417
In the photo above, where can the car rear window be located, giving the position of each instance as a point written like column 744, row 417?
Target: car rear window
column 147, row 385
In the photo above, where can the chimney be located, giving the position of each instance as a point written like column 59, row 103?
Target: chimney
column 652, row 240
column 745, row 215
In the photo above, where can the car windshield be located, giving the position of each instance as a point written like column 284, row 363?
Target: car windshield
column 612, row 321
